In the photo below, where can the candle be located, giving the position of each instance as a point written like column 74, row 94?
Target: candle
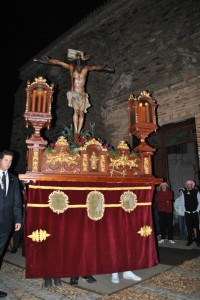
column 39, row 101
column 33, row 100
column 44, row 101
column 147, row 112
column 140, row 112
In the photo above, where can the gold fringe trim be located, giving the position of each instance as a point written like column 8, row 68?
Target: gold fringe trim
column 70, row 188
column 85, row 206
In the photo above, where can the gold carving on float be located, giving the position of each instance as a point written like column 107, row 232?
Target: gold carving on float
column 35, row 161
column 58, row 201
column 122, row 161
column 144, row 94
column 62, row 141
column 123, row 145
column 132, row 97
column 61, row 158
column 85, row 163
column 39, row 235
column 94, row 160
column 95, row 205
column 128, row 201
column 93, row 142
column 146, row 165
column 40, row 80
column 103, row 163
column 145, row 231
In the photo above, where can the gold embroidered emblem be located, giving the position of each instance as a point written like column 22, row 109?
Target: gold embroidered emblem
column 58, row 201
column 145, row 231
column 128, row 201
column 39, row 235
column 95, row 205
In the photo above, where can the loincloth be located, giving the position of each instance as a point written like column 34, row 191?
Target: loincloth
column 79, row 99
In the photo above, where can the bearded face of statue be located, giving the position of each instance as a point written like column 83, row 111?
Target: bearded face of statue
column 79, row 64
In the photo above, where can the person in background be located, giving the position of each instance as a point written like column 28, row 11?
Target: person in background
column 155, row 216
column 180, row 214
column 126, row 275
column 48, row 282
column 190, row 201
column 164, row 201
column 89, row 279
column 10, row 203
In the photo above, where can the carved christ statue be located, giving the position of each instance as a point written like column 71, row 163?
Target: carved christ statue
column 77, row 97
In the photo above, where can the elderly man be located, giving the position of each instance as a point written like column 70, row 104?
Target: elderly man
column 190, row 201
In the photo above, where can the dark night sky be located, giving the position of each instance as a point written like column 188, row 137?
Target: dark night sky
column 25, row 31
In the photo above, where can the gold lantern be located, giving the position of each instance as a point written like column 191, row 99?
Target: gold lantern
column 142, row 122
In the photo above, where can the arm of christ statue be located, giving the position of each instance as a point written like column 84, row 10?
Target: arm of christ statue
column 101, row 68
column 52, row 61
column 42, row 61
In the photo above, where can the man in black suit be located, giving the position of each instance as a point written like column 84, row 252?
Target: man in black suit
column 10, row 203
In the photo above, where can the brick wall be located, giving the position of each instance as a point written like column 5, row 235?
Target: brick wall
column 153, row 45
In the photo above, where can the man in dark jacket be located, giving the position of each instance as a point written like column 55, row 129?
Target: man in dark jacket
column 10, row 203
column 191, row 206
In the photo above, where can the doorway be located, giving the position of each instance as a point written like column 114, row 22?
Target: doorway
column 176, row 156
column 182, row 165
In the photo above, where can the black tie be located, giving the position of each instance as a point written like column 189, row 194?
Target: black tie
column 4, row 182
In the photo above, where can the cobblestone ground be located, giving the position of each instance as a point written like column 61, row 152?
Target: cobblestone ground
column 181, row 283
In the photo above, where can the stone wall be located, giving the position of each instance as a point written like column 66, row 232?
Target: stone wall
column 153, row 45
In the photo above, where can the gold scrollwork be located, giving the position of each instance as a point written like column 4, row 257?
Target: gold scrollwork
column 61, row 157
column 62, row 141
column 145, row 231
column 95, row 205
column 146, row 165
column 129, row 201
column 39, row 235
column 85, row 163
column 35, row 160
column 123, row 145
column 103, row 163
column 123, row 161
column 58, row 201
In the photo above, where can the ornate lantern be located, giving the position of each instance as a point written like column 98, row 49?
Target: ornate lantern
column 38, row 114
column 142, row 122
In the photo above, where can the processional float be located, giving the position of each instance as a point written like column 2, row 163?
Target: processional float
column 94, row 210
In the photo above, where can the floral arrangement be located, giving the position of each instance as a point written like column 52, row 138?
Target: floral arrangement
column 50, row 147
column 75, row 142
column 111, row 150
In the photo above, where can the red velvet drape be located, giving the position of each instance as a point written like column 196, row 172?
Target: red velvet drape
column 79, row 246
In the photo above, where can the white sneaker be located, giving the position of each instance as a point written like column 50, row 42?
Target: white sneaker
column 115, row 278
column 130, row 275
column 171, row 242
column 161, row 241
